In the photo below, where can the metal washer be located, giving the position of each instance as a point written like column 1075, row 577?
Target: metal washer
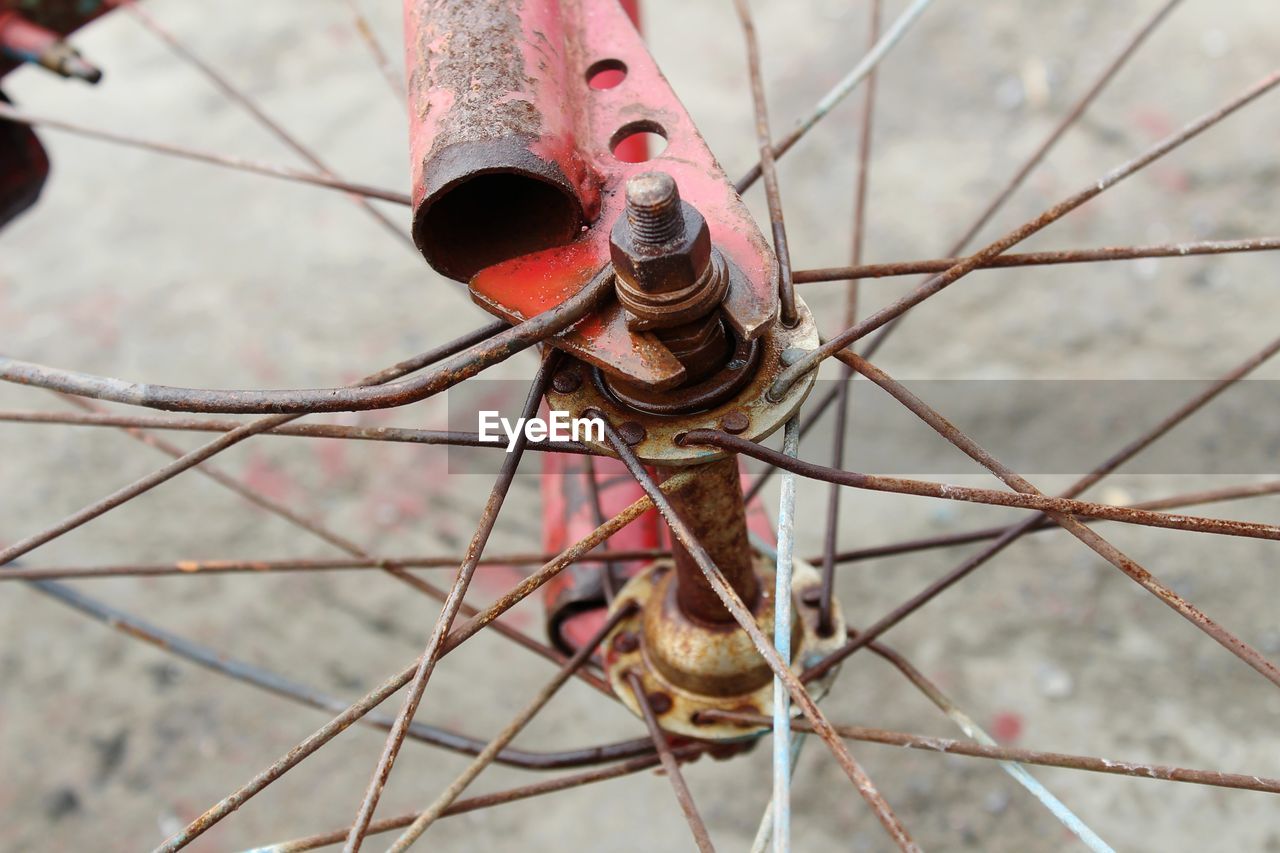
column 659, row 446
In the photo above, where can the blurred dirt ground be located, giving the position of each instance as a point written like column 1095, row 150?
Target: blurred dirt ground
column 164, row 271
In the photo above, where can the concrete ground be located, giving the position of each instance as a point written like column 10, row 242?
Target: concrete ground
column 164, row 271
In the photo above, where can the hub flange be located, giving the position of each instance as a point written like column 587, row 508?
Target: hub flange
column 688, row 666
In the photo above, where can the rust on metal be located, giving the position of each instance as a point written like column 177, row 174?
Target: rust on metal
column 673, row 282
column 256, row 167
column 452, row 603
column 458, row 438
column 539, row 116
column 495, row 170
column 1130, row 567
column 666, row 270
column 713, row 508
column 213, row 567
column 669, row 762
column 701, row 665
column 660, row 445
column 952, row 746
column 484, row 801
column 379, row 694
column 983, row 534
column 768, row 166
column 942, row 280
column 568, row 379
column 781, row 669
column 632, row 432
column 1035, row 259
column 993, row 497
column 735, row 422
column 491, row 350
column 495, row 746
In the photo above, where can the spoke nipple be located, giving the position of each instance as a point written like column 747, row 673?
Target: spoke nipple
column 660, row 703
column 567, row 381
column 791, row 355
column 735, row 422
column 626, row 642
column 632, row 433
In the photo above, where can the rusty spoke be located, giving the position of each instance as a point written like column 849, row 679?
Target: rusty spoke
column 192, row 568
column 764, row 138
column 951, row 746
column 788, row 315
column 452, row 438
column 223, row 664
column 331, row 537
column 734, row 604
column 500, row 741
column 947, row 540
column 931, row 691
column 227, row 439
column 609, row 568
column 811, row 418
column 325, row 534
column 831, row 535
column 495, row 349
column 379, row 694
column 395, row 79
column 484, row 801
column 992, row 497
column 1006, row 536
column 941, row 281
column 1126, row 51
column 842, row 89
column 8, row 113
column 444, row 622
column 238, row 96
column 1035, row 259
column 1106, row 550
column 672, row 767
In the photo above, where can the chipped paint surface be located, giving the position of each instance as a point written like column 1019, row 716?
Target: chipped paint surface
column 501, row 89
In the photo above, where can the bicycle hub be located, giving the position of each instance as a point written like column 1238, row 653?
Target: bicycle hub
column 521, row 189
column 683, row 644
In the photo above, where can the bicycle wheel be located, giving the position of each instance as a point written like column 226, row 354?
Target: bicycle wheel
column 138, row 266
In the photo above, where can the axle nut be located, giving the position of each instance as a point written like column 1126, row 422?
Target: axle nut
column 667, row 272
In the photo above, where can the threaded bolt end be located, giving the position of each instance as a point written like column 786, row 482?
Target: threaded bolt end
column 654, row 212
